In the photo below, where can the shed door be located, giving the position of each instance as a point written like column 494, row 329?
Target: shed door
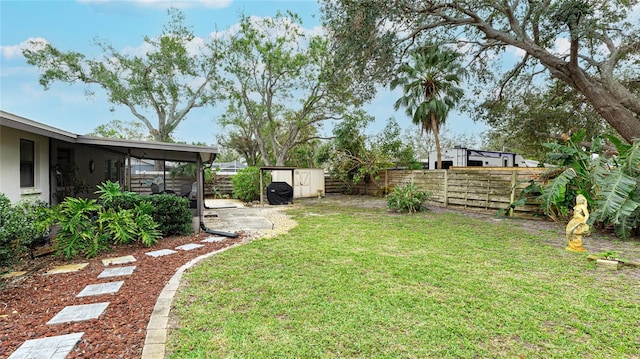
column 303, row 185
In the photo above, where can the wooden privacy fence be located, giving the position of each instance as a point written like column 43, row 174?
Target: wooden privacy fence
column 487, row 189
column 474, row 188
column 141, row 183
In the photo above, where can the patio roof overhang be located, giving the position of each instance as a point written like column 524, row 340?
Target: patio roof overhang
column 138, row 149
column 153, row 150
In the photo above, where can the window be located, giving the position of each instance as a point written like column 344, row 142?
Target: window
column 112, row 170
column 27, row 163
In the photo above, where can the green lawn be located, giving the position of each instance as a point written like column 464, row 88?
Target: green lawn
column 363, row 283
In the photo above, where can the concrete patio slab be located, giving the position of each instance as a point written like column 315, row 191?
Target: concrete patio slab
column 190, row 246
column 160, row 253
column 237, row 219
column 57, row 347
column 67, row 268
column 79, row 313
column 100, row 289
column 118, row 260
column 117, row 272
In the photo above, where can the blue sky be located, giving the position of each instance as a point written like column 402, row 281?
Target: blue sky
column 71, row 25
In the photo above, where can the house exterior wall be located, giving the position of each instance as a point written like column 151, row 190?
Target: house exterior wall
column 10, row 166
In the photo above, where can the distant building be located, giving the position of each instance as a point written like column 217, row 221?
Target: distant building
column 463, row 157
column 228, row 167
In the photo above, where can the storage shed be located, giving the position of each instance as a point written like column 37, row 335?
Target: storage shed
column 306, row 182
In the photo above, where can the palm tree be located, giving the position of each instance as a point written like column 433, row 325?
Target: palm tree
column 430, row 88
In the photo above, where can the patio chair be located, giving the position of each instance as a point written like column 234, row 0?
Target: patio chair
column 185, row 190
column 155, row 189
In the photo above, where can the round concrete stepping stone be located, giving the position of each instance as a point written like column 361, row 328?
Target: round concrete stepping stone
column 100, row 289
column 118, row 260
column 117, row 272
column 57, row 347
column 160, row 253
column 79, row 313
column 67, row 268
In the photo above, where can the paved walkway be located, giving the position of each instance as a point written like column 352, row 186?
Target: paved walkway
column 228, row 216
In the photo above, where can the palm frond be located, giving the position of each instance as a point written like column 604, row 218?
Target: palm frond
column 614, row 201
column 555, row 192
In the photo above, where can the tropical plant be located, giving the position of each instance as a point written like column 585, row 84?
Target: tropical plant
column 78, row 233
column 431, row 89
column 617, row 189
column 407, row 198
column 246, row 184
column 110, row 194
column 146, row 228
column 611, row 184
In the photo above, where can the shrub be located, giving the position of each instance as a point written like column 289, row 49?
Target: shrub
column 172, row 213
column 78, row 233
column 20, row 226
column 407, row 198
column 246, row 184
column 89, row 226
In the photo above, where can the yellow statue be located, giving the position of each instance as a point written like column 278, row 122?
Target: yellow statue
column 577, row 227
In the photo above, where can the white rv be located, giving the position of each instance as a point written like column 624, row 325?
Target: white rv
column 464, row 157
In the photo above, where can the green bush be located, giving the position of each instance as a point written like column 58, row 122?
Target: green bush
column 172, row 213
column 79, row 232
column 407, row 198
column 88, row 226
column 169, row 212
column 246, row 184
column 20, row 226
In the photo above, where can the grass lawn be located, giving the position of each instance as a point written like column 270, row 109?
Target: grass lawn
column 352, row 282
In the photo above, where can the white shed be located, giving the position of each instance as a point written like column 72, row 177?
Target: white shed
column 307, row 182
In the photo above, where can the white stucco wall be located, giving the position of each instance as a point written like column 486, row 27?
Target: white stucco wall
column 10, row 165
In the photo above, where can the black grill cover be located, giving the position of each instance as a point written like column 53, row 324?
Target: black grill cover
column 279, row 193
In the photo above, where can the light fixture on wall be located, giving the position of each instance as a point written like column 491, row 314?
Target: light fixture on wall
column 92, row 166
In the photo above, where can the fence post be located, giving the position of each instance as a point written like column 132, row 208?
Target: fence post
column 512, row 197
column 446, row 185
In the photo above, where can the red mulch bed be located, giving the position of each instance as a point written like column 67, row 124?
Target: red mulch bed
column 28, row 303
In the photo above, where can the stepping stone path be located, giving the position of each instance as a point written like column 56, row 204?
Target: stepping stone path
column 47, row 348
column 118, row 260
column 58, row 347
column 12, row 275
column 160, row 253
column 69, row 268
column 99, row 289
column 117, row 272
column 190, row 246
column 79, row 313
column 213, row 239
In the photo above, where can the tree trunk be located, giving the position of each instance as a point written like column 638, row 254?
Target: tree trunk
column 436, row 135
column 608, row 106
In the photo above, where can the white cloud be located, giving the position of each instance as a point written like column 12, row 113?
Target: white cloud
column 15, row 51
column 181, row 4
column 562, row 46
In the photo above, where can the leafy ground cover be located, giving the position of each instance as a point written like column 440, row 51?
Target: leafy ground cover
column 358, row 281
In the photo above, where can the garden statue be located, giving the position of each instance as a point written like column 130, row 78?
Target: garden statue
column 577, row 227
